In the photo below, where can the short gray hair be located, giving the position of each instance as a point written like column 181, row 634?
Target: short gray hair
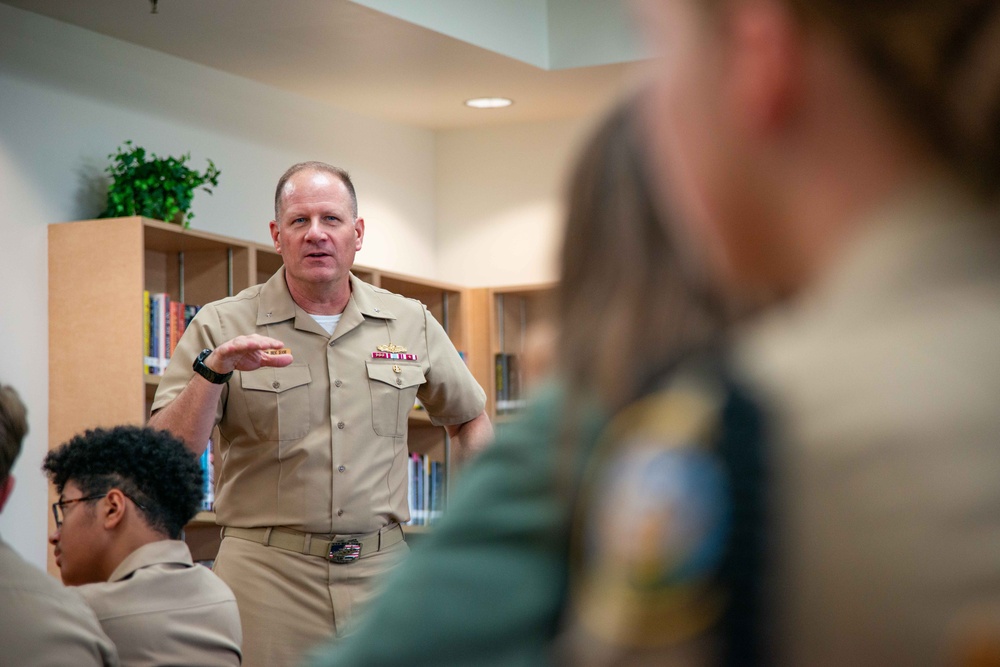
column 344, row 177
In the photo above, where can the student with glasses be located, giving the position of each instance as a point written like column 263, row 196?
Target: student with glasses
column 125, row 495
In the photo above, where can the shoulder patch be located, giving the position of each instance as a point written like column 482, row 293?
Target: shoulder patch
column 654, row 524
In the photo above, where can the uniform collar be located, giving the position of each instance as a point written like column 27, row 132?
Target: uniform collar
column 277, row 305
column 155, row 553
column 368, row 301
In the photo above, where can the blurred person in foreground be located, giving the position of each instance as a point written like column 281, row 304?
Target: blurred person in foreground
column 125, row 495
column 490, row 584
column 840, row 161
column 42, row 623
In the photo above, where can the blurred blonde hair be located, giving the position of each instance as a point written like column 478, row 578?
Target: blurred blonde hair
column 625, row 307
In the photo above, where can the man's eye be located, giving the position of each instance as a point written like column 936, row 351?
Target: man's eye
column 331, row 218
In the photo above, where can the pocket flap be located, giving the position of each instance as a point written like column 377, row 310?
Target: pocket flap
column 276, row 380
column 407, row 376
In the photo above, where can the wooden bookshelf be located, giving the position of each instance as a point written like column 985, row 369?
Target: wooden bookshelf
column 517, row 317
column 98, row 270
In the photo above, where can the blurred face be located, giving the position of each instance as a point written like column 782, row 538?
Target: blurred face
column 680, row 116
column 317, row 235
column 702, row 155
column 78, row 541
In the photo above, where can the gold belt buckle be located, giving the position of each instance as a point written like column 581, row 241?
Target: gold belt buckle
column 344, row 552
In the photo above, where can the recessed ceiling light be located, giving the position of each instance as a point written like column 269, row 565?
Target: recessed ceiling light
column 488, row 102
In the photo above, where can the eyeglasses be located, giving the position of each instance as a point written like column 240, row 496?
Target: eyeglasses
column 58, row 508
column 59, row 511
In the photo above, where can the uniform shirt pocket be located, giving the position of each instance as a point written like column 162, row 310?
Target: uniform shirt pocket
column 278, row 401
column 394, row 390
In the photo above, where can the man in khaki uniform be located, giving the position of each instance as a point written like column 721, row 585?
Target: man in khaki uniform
column 125, row 495
column 42, row 623
column 311, row 484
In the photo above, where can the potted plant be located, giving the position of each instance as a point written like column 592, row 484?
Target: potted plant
column 162, row 188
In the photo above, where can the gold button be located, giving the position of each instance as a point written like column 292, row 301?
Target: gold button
column 396, row 369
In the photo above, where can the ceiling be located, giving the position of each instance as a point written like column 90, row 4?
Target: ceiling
column 352, row 56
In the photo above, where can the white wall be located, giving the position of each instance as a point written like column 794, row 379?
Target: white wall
column 68, row 97
column 500, row 201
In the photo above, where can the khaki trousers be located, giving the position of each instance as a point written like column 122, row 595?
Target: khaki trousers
column 290, row 602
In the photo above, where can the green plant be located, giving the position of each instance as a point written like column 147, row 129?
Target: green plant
column 162, row 188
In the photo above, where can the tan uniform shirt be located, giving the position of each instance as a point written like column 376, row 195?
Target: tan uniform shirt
column 321, row 445
column 43, row 623
column 884, row 383
column 162, row 609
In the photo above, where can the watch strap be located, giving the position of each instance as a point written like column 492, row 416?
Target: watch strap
column 212, row 376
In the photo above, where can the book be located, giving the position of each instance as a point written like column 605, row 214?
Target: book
column 208, row 478
column 418, row 477
column 411, row 488
column 164, row 323
column 178, row 323
column 190, row 310
column 436, row 503
column 502, row 376
column 508, row 383
column 146, row 350
column 159, row 332
column 426, row 488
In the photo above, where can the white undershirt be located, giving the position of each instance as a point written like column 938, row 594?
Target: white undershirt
column 328, row 322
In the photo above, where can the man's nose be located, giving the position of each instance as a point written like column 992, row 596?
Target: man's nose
column 54, row 536
column 315, row 229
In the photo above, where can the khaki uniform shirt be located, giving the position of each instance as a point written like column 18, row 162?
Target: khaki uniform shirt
column 321, row 445
column 884, row 384
column 162, row 609
column 43, row 623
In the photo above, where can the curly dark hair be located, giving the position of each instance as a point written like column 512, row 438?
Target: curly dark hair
column 151, row 467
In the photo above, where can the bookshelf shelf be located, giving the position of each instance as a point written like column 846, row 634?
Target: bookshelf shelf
column 98, row 270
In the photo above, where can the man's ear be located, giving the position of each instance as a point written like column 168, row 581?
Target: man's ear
column 113, row 509
column 359, row 229
column 765, row 64
column 275, row 229
column 6, row 488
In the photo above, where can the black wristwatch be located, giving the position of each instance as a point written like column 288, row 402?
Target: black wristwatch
column 201, row 369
